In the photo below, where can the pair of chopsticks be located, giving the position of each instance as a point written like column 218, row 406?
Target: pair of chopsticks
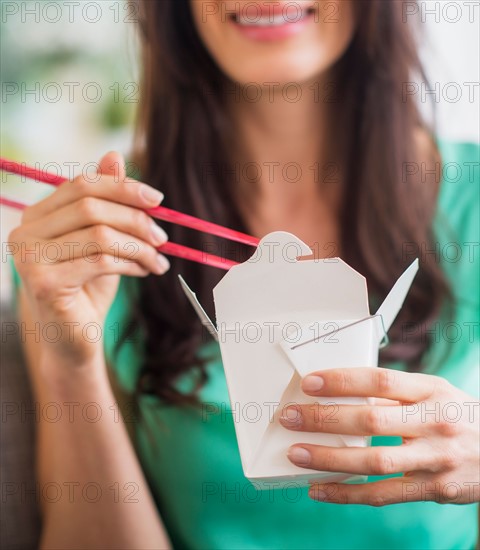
column 159, row 212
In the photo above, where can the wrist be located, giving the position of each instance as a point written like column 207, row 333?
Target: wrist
column 62, row 373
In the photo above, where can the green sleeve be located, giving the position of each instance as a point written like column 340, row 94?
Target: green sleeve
column 455, row 350
column 16, row 280
column 124, row 356
column 458, row 220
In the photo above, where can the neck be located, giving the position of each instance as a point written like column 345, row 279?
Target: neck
column 276, row 128
column 282, row 151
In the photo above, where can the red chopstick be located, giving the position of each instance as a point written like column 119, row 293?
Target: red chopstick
column 160, row 212
column 12, row 204
column 171, row 249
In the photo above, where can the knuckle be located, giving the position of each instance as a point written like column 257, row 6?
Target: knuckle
column 376, row 500
column 104, row 261
column 375, row 421
column 432, row 489
column 340, row 381
column 341, row 496
column 384, row 380
column 451, row 460
column 329, row 461
column 381, row 463
column 449, row 491
column 88, row 208
column 42, row 287
column 139, row 253
column 315, row 415
column 150, row 253
column 140, row 219
column 435, row 385
column 441, row 385
column 447, row 428
column 334, row 493
column 82, row 186
column 144, row 255
column 101, row 234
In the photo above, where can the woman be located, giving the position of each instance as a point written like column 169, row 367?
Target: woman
column 260, row 116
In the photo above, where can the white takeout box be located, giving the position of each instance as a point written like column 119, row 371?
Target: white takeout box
column 279, row 319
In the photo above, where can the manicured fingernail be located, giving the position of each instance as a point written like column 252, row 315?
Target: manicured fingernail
column 158, row 234
column 312, row 383
column 316, row 494
column 291, row 418
column 163, row 264
column 299, row 456
column 151, row 195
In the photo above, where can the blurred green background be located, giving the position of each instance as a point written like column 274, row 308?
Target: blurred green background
column 69, row 90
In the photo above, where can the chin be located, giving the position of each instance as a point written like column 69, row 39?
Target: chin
column 279, row 71
column 273, row 43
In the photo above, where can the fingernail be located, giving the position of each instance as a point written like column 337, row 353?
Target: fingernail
column 158, row 234
column 150, row 195
column 163, row 264
column 316, row 494
column 312, row 383
column 291, row 418
column 299, row 456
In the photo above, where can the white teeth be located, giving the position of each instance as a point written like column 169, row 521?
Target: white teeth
column 267, row 21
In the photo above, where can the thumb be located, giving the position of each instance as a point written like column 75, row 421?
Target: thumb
column 112, row 164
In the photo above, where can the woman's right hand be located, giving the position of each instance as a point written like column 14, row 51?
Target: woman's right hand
column 72, row 248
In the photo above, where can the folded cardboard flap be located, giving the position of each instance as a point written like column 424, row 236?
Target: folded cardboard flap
column 279, row 319
column 392, row 304
column 192, row 298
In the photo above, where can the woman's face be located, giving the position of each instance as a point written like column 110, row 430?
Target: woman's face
column 274, row 41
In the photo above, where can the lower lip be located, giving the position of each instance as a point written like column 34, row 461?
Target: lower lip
column 271, row 33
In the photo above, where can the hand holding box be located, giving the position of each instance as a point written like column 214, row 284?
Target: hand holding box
column 279, row 319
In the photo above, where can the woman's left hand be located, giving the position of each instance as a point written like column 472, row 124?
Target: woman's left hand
column 440, row 426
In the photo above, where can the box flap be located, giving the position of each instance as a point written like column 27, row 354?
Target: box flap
column 394, row 301
column 274, row 283
column 192, row 298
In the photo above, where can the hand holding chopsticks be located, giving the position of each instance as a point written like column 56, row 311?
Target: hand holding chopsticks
column 159, row 212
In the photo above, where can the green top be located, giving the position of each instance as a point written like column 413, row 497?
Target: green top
column 192, row 460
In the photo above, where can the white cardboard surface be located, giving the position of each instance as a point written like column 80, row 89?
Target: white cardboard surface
column 278, row 319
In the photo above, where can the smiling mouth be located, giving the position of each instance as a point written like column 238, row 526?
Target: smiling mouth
column 272, row 20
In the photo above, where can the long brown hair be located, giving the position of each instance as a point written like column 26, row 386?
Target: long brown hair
column 184, row 142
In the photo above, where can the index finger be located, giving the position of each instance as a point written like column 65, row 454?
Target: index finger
column 371, row 382
column 128, row 192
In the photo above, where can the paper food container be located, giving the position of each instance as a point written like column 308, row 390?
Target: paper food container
column 279, row 319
